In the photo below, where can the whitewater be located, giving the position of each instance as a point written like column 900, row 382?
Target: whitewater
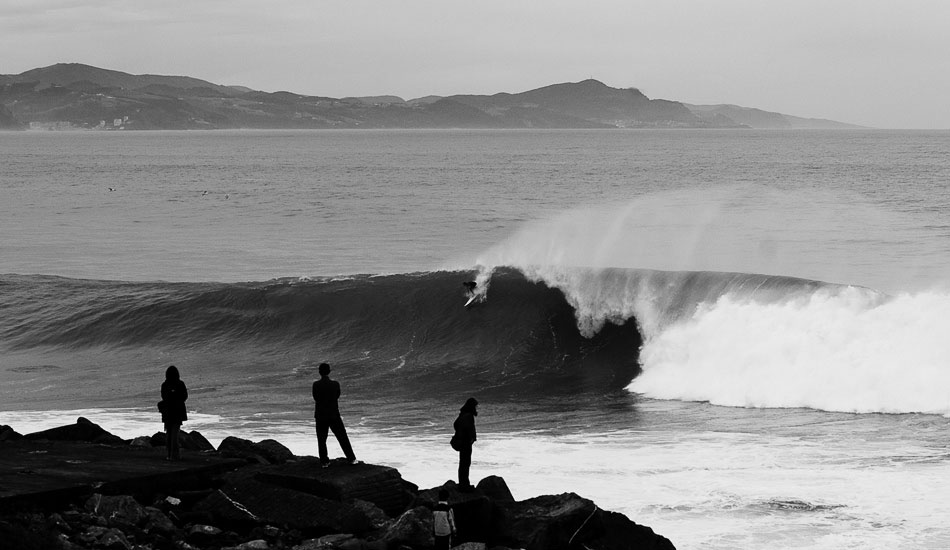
column 736, row 338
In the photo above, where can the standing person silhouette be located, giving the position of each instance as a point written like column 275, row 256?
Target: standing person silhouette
column 326, row 413
column 172, row 407
column 463, row 440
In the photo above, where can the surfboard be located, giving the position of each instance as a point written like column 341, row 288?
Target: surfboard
column 471, row 300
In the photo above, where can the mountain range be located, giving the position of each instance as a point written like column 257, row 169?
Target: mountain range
column 72, row 95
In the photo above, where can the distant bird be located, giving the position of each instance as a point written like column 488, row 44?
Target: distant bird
column 203, row 193
column 228, row 196
column 112, row 189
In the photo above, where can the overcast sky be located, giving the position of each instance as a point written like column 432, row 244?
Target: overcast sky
column 871, row 62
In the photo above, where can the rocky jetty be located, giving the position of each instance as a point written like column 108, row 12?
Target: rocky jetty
column 80, row 487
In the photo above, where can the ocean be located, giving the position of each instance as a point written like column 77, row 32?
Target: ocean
column 736, row 337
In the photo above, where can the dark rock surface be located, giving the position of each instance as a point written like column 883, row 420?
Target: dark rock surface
column 73, row 494
column 82, row 430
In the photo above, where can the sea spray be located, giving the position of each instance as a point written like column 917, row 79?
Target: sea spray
column 842, row 350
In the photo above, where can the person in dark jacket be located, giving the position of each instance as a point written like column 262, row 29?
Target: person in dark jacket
column 326, row 413
column 463, row 440
column 174, row 395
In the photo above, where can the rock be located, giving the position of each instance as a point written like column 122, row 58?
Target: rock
column 235, row 447
column 617, row 532
column 377, row 517
column 189, row 441
column 157, row 522
column 141, row 441
column 258, row 544
column 82, row 430
column 220, row 508
column 194, row 441
column 381, row 485
column 245, row 499
column 496, row 489
column 107, row 538
column 204, row 535
column 274, row 451
column 413, row 528
column 474, row 512
column 542, row 523
column 9, row 434
column 118, row 511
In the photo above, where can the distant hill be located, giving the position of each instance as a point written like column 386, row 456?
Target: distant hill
column 72, row 95
column 757, row 118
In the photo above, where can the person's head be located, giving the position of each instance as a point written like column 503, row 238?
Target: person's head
column 470, row 406
column 443, row 494
column 324, row 369
column 171, row 373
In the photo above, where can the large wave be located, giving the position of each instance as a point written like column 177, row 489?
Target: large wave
column 405, row 333
column 749, row 339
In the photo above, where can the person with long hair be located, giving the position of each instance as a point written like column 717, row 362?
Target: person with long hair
column 172, row 407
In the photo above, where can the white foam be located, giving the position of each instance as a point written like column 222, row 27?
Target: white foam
column 833, row 351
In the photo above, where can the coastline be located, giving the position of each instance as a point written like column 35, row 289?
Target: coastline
column 83, row 487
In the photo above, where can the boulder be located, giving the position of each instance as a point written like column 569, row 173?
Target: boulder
column 474, row 512
column 194, row 441
column 274, row 451
column 340, row 542
column 82, row 430
column 413, row 529
column 9, row 434
column 496, row 489
column 189, row 441
column 377, row 517
column 381, row 485
column 141, row 441
column 258, row 544
column 208, row 535
column 158, row 523
column 118, row 511
column 546, row 522
column 613, row 531
column 235, row 447
column 106, row 538
column 245, row 500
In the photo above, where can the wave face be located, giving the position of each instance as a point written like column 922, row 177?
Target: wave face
column 407, row 333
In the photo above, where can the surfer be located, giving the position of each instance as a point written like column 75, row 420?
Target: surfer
column 172, row 407
column 470, row 287
column 463, row 440
column 326, row 413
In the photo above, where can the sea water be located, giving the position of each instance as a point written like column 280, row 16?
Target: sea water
column 761, row 359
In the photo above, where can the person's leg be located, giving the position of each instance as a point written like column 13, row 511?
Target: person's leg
column 323, row 430
column 176, row 443
column 171, row 441
column 340, row 432
column 465, row 462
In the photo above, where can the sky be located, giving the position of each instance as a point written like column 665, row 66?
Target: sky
column 877, row 63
